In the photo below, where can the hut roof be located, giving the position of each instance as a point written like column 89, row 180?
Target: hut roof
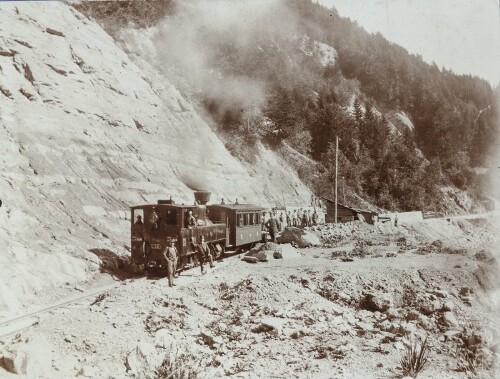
column 357, row 210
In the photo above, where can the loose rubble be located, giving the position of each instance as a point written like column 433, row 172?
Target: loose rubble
column 294, row 313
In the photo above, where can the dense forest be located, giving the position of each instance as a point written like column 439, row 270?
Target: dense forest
column 306, row 102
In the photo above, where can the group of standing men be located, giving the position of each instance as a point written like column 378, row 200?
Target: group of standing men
column 170, row 254
column 302, row 218
column 298, row 218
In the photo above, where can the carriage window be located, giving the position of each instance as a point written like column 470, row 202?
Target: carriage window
column 247, row 218
column 240, row 219
column 171, row 217
column 254, row 218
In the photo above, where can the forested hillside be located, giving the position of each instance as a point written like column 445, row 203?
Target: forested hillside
column 296, row 74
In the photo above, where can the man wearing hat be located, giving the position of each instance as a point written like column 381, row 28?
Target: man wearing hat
column 204, row 255
column 170, row 254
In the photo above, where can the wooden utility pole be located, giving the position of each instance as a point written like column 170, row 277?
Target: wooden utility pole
column 336, row 173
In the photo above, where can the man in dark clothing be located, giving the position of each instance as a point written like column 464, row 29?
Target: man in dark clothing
column 170, row 254
column 273, row 227
column 138, row 220
column 204, row 254
column 304, row 219
column 315, row 218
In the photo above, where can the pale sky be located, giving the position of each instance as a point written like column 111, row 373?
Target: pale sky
column 461, row 35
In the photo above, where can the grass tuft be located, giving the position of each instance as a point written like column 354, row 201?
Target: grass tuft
column 416, row 359
column 181, row 365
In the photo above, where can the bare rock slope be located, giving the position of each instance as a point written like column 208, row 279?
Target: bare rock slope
column 84, row 134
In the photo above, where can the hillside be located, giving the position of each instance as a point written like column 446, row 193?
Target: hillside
column 293, row 71
column 85, row 133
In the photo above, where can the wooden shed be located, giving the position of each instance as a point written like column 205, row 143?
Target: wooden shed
column 346, row 213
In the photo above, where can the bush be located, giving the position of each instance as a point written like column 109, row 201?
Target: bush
column 416, row 359
column 181, row 365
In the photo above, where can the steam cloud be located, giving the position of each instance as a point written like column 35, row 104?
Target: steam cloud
column 196, row 39
column 201, row 31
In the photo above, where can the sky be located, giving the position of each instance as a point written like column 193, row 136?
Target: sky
column 461, row 35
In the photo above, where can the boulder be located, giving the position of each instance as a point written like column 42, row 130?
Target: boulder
column 483, row 256
column 297, row 334
column 424, row 322
column 277, row 255
column 441, row 293
column 244, row 314
column 474, row 340
column 299, row 237
column 364, row 326
column 258, row 253
column 261, row 256
column 32, row 358
column 270, row 325
column 393, row 313
column 448, row 306
column 413, row 314
column 87, row 371
column 344, row 297
column 427, row 306
column 377, row 302
column 250, row 259
column 209, row 339
column 449, row 319
column 143, row 360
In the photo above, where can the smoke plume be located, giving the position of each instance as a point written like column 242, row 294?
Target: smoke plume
column 202, row 33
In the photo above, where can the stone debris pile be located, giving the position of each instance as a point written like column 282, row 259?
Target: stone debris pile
column 31, row 357
column 300, row 237
column 262, row 252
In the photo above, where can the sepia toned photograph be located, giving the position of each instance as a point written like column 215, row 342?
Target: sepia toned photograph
column 196, row 189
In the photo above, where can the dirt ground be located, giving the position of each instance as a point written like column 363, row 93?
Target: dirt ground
column 344, row 311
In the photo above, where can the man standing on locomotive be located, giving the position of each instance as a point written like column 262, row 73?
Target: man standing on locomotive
column 191, row 220
column 170, row 254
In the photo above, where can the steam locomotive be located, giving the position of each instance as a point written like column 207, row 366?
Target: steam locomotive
column 223, row 227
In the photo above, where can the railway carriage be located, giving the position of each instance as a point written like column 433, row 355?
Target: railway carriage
column 243, row 222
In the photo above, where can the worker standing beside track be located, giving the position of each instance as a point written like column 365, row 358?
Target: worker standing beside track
column 170, row 254
column 273, row 227
column 204, row 255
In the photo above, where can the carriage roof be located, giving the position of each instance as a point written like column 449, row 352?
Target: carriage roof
column 239, row 207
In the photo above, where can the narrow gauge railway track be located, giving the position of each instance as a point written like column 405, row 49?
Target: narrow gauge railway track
column 16, row 324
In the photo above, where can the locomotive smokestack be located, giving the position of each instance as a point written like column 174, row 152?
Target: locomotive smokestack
column 202, row 197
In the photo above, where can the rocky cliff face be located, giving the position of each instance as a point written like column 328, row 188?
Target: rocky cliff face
column 85, row 132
